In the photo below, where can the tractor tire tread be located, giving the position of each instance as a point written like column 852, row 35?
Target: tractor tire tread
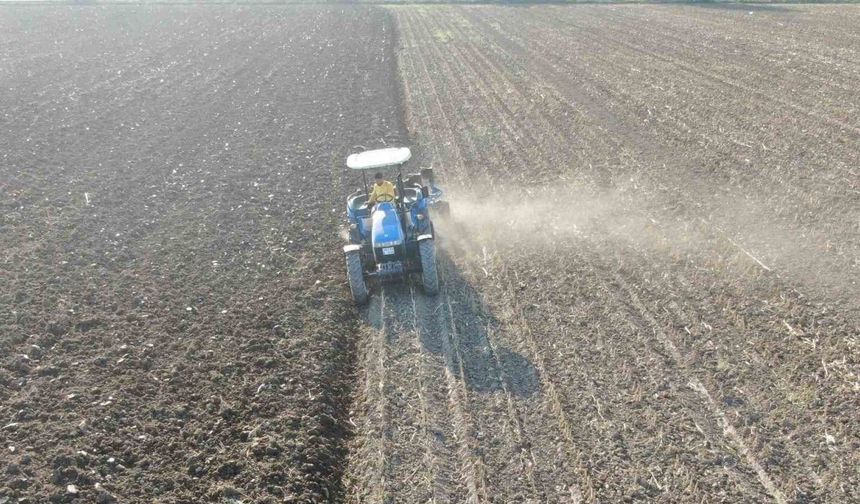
column 429, row 274
column 355, row 274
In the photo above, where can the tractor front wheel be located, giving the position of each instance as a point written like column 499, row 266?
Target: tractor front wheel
column 429, row 276
column 355, row 272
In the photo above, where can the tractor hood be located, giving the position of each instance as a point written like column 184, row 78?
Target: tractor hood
column 386, row 230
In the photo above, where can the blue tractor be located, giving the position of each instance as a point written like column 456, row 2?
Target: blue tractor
column 394, row 238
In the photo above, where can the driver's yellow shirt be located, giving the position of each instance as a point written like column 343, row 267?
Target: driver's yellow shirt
column 386, row 188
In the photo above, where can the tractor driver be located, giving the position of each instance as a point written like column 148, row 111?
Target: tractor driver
column 382, row 189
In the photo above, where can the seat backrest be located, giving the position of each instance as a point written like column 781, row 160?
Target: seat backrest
column 410, row 194
column 357, row 201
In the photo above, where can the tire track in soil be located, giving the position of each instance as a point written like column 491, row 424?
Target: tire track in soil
column 436, row 320
column 454, row 349
column 748, row 389
column 559, row 479
column 573, row 492
column 373, row 432
column 507, row 455
column 402, row 398
column 446, row 481
column 420, row 426
column 528, row 460
column 695, row 384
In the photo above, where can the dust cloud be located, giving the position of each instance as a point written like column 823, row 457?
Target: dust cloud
column 542, row 216
column 723, row 227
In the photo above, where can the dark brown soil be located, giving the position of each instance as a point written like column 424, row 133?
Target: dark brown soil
column 649, row 289
column 173, row 320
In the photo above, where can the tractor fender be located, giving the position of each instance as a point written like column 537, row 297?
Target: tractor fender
column 425, row 237
column 351, row 248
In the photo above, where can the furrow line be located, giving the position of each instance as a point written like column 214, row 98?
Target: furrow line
column 644, row 145
column 460, row 164
column 445, row 484
column 458, row 396
column 697, row 386
column 467, row 132
column 558, row 83
column 801, row 453
column 774, row 40
column 407, row 476
column 681, row 130
column 704, row 48
column 573, row 454
column 376, row 423
column 726, row 81
column 411, row 96
column 529, row 461
column 496, row 105
column 655, row 366
column 521, row 127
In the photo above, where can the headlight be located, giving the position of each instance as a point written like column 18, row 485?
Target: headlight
column 420, row 216
column 353, row 226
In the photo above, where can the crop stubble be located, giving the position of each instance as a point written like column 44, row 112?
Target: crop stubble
column 658, row 229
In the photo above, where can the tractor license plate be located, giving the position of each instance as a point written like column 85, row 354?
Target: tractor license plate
column 387, row 250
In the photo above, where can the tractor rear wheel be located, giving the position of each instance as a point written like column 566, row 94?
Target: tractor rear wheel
column 429, row 276
column 355, row 273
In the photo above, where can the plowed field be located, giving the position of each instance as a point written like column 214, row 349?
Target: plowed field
column 173, row 320
column 650, row 284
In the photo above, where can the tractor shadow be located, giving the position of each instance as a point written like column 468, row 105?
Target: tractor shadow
column 453, row 327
